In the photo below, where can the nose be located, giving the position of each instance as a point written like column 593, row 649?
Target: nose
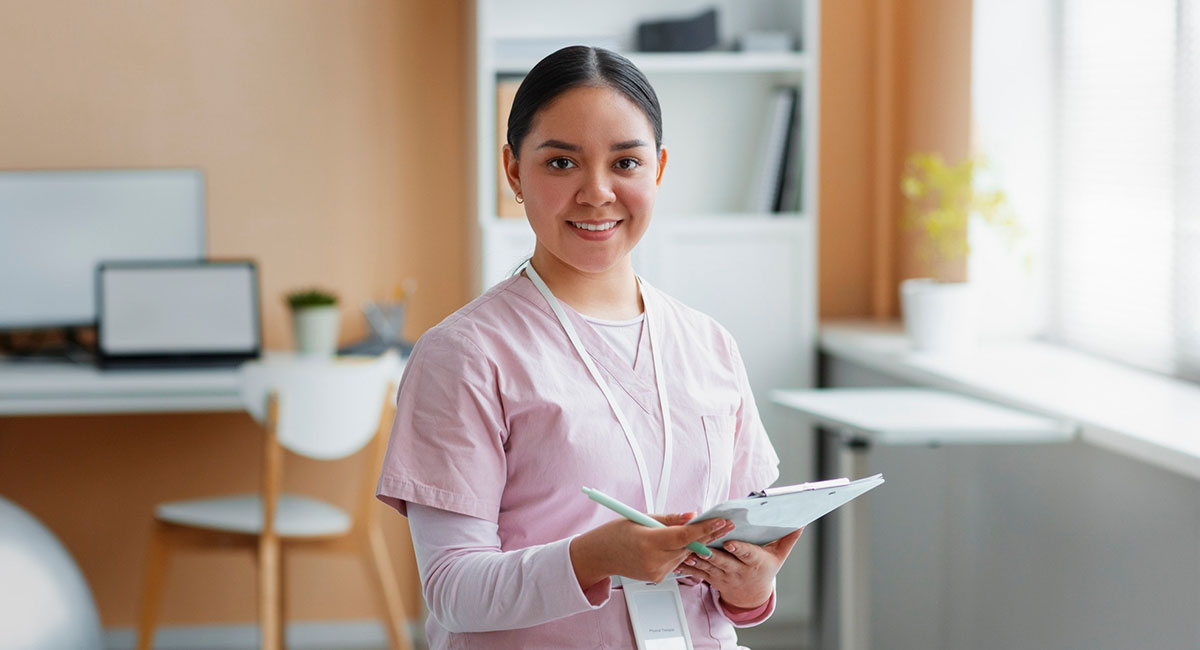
column 596, row 191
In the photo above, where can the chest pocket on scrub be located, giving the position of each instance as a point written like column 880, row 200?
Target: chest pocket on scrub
column 718, row 433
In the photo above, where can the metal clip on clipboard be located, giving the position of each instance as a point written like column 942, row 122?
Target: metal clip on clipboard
column 769, row 514
column 802, row 487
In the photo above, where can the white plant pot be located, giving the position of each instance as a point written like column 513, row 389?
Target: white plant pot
column 316, row 330
column 938, row 316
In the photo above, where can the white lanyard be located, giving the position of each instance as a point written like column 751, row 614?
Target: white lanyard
column 660, row 503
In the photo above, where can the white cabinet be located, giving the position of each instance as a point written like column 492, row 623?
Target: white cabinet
column 754, row 272
column 752, row 275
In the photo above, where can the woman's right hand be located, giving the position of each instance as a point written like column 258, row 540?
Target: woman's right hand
column 621, row 547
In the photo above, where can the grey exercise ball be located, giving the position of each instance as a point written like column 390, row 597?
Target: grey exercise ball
column 45, row 603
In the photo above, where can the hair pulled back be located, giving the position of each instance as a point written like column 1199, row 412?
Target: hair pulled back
column 572, row 67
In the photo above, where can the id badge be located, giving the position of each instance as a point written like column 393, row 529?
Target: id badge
column 656, row 612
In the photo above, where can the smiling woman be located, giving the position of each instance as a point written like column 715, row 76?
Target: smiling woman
column 506, row 409
column 585, row 154
column 588, row 173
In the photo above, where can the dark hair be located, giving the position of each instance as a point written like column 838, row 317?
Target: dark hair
column 574, row 66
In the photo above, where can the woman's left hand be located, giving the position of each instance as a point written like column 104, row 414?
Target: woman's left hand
column 743, row 573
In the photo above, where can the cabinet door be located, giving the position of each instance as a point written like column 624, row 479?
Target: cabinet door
column 755, row 276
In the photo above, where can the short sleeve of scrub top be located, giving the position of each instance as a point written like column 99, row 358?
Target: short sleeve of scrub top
column 457, row 463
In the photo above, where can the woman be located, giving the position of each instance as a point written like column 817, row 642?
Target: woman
column 575, row 373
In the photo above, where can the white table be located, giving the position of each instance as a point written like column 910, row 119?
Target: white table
column 862, row 417
column 65, row 388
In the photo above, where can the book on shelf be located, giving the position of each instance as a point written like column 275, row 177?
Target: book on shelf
column 778, row 179
column 506, row 201
column 789, row 197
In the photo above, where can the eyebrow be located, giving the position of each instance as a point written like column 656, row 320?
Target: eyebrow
column 567, row 146
column 628, row 144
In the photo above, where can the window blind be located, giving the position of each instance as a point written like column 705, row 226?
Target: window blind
column 1126, row 244
column 1187, row 193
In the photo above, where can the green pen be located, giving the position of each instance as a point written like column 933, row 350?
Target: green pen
column 638, row 517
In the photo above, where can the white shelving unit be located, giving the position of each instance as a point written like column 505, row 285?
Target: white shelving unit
column 701, row 62
column 753, row 272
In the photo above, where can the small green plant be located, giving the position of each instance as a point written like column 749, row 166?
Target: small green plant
column 940, row 199
column 311, row 298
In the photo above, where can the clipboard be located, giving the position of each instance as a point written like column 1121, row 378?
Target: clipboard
column 767, row 515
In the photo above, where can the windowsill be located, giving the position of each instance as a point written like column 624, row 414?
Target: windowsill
column 1148, row 417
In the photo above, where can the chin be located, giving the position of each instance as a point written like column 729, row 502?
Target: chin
column 595, row 263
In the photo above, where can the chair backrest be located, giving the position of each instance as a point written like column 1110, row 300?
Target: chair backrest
column 328, row 408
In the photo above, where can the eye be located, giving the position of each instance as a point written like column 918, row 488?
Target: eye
column 561, row 163
column 627, row 164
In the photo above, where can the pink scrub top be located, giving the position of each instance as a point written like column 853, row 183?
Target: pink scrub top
column 498, row 418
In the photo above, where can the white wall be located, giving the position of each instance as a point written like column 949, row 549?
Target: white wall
column 1031, row 547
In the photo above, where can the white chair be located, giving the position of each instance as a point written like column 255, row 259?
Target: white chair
column 321, row 409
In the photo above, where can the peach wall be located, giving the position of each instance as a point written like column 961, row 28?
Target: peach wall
column 330, row 136
column 895, row 78
column 846, row 147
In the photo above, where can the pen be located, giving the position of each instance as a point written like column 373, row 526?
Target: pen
column 638, row 517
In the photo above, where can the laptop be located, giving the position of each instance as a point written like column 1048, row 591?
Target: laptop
column 172, row 314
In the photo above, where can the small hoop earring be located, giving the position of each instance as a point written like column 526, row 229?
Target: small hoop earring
column 520, row 199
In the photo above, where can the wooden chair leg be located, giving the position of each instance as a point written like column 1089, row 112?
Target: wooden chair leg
column 152, row 585
column 270, row 625
column 384, row 576
column 281, row 607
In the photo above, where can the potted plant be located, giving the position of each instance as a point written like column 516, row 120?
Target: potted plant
column 941, row 201
column 315, row 321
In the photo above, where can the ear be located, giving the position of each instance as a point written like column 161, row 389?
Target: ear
column 662, row 164
column 512, row 169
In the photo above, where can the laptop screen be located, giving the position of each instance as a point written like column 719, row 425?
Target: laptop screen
column 176, row 308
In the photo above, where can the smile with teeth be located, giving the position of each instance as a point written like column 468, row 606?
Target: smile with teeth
column 594, row 226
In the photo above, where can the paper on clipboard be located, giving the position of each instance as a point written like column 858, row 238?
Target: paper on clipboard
column 768, row 515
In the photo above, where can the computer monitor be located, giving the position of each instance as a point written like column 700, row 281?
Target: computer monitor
column 57, row 226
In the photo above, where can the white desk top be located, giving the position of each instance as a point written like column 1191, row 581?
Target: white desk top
column 60, row 388
column 919, row 416
column 1150, row 417
column 64, row 388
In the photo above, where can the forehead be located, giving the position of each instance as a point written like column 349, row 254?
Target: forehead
column 590, row 114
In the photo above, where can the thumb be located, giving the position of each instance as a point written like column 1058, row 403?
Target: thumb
column 781, row 547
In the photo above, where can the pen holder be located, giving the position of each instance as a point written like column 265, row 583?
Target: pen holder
column 386, row 321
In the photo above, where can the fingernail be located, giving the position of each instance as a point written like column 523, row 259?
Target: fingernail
column 718, row 525
column 690, row 562
column 731, row 548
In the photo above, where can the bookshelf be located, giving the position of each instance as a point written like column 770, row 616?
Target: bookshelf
column 753, row 270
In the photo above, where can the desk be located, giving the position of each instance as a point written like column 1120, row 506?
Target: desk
column 862, row 417
column 65, row 388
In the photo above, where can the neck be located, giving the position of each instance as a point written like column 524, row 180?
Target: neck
column 612, row 294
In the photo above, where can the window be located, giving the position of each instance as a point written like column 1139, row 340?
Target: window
column 1107, row 103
